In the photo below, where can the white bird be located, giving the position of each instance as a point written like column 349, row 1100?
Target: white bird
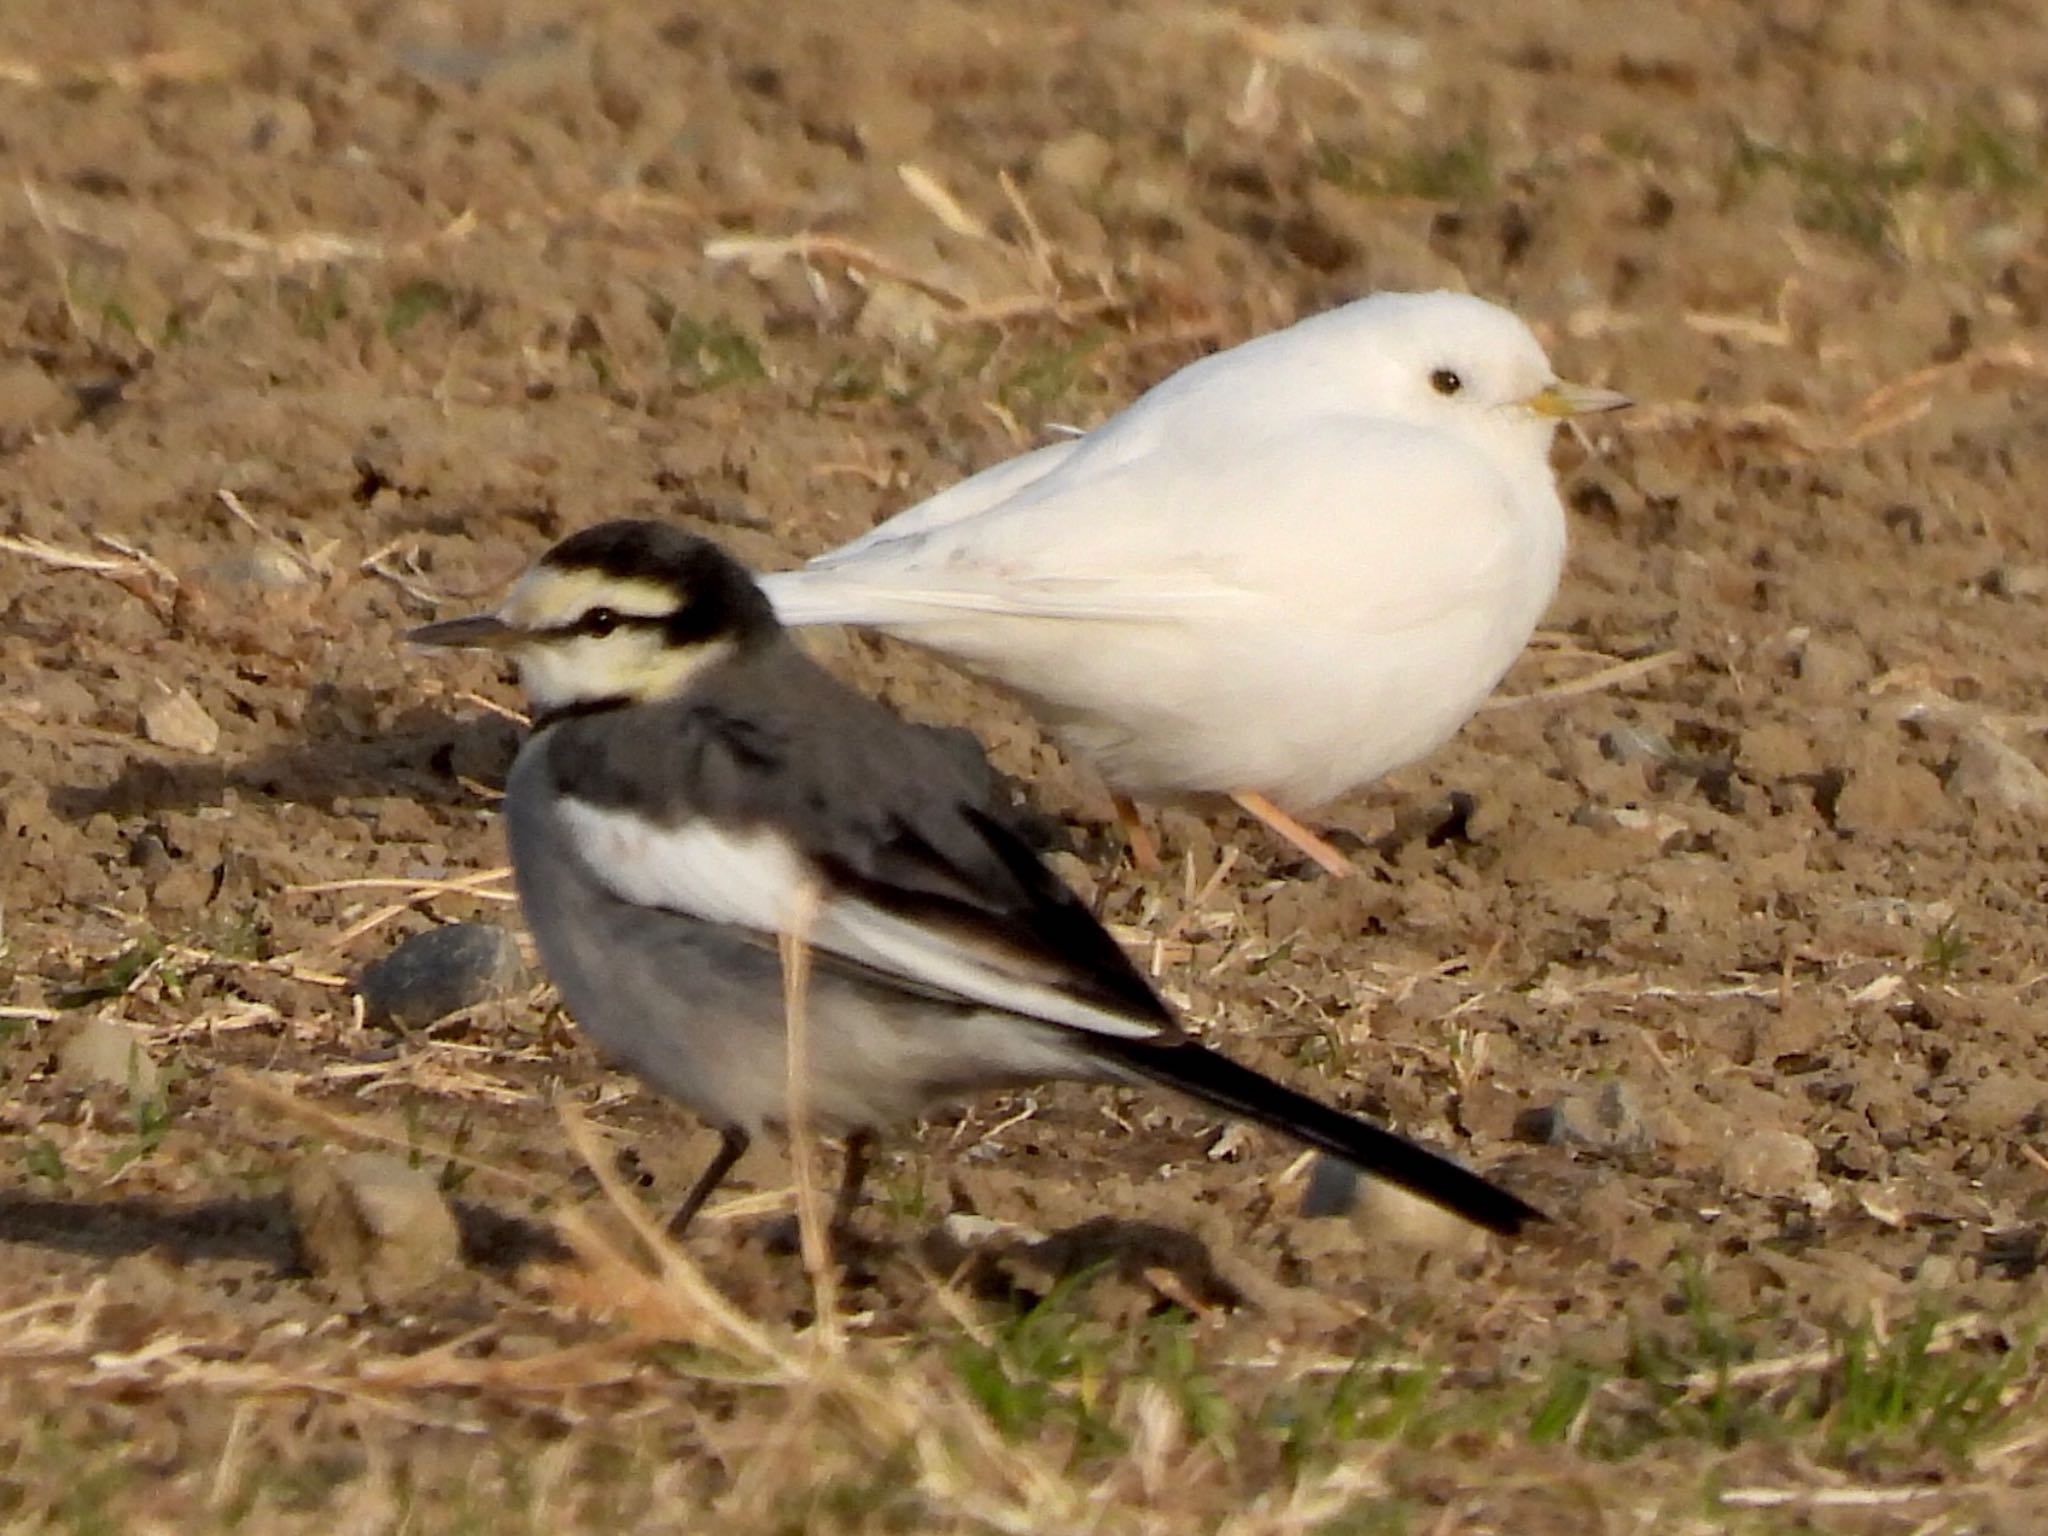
column 1283, row 572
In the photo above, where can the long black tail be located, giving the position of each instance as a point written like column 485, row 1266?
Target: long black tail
column 1215, row 1080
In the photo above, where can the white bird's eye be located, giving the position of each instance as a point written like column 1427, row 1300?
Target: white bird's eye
column 1445, row 381
column 598, row 622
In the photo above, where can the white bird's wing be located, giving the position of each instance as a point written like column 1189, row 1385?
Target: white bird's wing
column 1322, row 510
column 1134, row 599
column 965, row 499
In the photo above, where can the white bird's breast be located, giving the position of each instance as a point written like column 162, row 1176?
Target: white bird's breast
column 1287, row 698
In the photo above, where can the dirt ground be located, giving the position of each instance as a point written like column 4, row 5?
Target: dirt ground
column 1725, row 943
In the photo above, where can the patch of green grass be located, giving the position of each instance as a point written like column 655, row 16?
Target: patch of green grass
column 1319, row 1050
column 317, row 308
column 414, row 302
column 1945, row 949
column 1905, row 1392
column 1170, row 1358
column 1861, row 1395
column 309, row 1484
column 1278, row 955
column 114, row 978
column 1710, row 1382
column 848, row 382
column 1461, row 170
column 901, row 1194
column 958, row 356
column 1853, row 193
column 1058, row 1368
column 94, row 298
column 712, row 354
column 116, row 314
column 39, row 1155
column 1373, row 1517
column 150, row 1121
column 1565, row 1403
column 454, row 1171
column 1050, row 375
column 1628, row 141
column 1045, row 1368
column 244, row 936
column 1982, row 156
column 77, row 1484
column 1840, row 192
column 1315, row 1423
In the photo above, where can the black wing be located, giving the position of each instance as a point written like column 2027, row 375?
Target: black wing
column 890, row 818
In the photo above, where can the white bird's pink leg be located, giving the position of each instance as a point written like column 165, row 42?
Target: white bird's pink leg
column 1144, row 851
column 1294, row 832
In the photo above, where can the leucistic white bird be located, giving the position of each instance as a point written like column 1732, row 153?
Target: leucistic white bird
column 1281, row 573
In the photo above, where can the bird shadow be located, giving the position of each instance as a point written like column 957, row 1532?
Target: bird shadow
column 339, row 749
column 250, row 1229
column 1021, row 1270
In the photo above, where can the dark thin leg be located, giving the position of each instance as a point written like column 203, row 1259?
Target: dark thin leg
column 850, row 1179
column 731, row 1147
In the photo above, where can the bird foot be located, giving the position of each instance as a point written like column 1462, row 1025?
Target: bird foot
column 1144, row 850
column 1331, row 861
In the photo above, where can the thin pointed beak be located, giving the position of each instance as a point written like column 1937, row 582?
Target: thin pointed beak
column 484, row 630
column 1560, row 400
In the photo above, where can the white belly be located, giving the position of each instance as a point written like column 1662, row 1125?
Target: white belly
column 1302, row 715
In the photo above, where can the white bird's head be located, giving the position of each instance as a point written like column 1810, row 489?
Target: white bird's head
column 1454, row 362
column 627, row 612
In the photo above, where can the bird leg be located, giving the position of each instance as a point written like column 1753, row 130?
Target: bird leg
column 731, row 1147
column 851, row 1178
column 1294, row 832
column 1144, row 851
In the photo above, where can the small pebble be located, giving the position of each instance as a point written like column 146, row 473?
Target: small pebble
column 30, row 400
column 1606, row 1121
column 1992, row 774
column 1835, row 668
column 1892, row 798
column 432, row 974
column 373, row 1226
column 1077, row 161
column 179, row 721
column 1771, row 1163
column 1385, row 1213
column 1635, row 744
column 95, row 1051
column 2015, row 581
column 1332, row 1188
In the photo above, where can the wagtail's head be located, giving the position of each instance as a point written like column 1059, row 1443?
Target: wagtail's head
column 626, row 612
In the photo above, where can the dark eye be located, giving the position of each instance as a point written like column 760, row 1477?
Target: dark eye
column 1445, row 382
column 598, row 622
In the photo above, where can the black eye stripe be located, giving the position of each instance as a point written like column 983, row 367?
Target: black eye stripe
column 596, row 623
